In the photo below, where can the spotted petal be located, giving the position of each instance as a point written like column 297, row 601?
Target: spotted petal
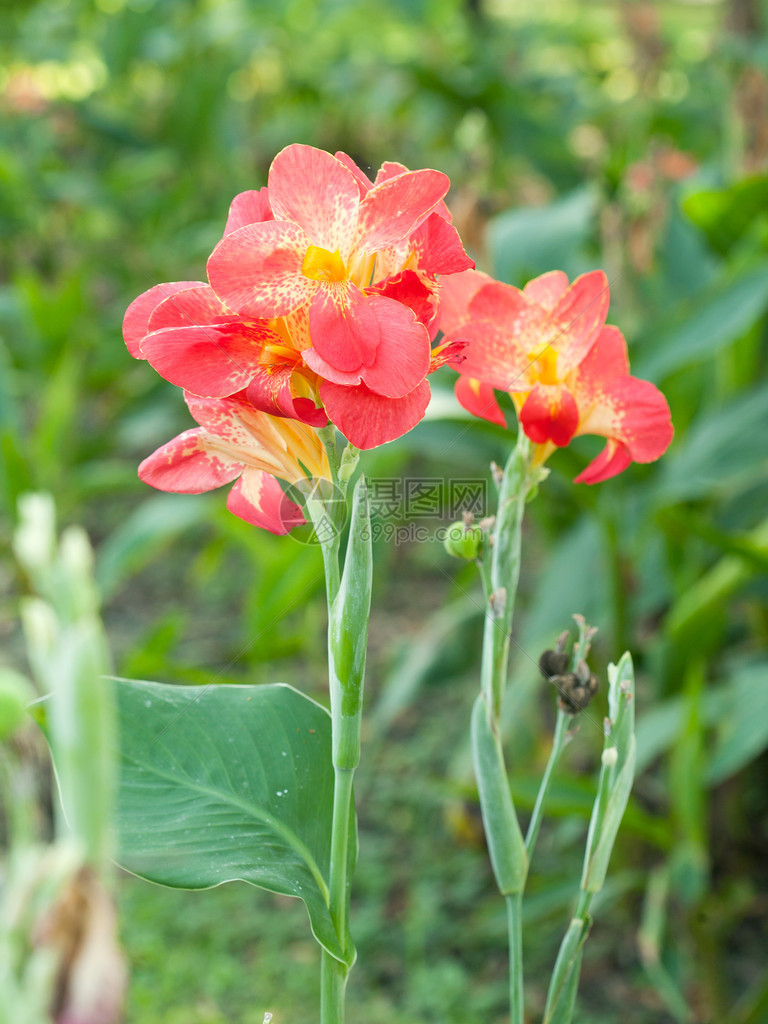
column 344, row 328
column 211, row 360
column 136, row 319
column 256, row 270
column 577, row 318
column 396, row 207
column 188, row 465
column 317, row 192
column 251, row 207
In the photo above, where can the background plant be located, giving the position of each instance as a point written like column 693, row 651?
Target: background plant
column 623, row 136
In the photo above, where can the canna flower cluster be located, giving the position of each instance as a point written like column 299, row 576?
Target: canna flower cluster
column 567, row 372
column 322, row 304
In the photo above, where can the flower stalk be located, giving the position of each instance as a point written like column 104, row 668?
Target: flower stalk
column 506, row 845
column 349, row 601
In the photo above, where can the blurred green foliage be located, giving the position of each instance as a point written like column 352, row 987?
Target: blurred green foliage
column 624, row 135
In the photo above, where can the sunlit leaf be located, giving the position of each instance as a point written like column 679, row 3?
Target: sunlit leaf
column 222, row 783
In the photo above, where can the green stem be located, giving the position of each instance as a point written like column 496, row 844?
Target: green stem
column 505, row 841
column 558, row 743
column 334, row 974
column 348, row 596
column 515, row 931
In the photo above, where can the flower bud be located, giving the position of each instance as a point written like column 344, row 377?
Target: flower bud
column 463, row 541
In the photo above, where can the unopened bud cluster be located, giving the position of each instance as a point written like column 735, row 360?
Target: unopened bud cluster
column 576, row 684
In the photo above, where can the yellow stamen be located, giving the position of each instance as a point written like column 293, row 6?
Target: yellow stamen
column 321, row 265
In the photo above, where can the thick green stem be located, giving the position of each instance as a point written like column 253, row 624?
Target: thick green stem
column 515, row 932
column 558, row 742
column 349, row 596
column 505, row 841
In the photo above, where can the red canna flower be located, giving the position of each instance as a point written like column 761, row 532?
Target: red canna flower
column 236, row 441
column 548, row 346
column 322, row 302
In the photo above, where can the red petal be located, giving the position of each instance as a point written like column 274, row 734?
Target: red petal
column 403, row 356
column 367, row 419
column 259, row 499
column 410, row 289
column 256, row 270
column 396, row 207
column 344, row 328
column 493, row 356
column 401, row 360
column 390, row 169
column 547, row 289
column 577, row 319
column 606, row 360
column 364, row 183
column 456, row 293
column 212, row 361
column 634, row 412
column 479, row 399
column 316, row 191
column 186, row 465
column 187, row 308
column 549, row 413
column 613, row 459
column 136, row 319
column 271, row 391
column 250, row 207
column 438, row 247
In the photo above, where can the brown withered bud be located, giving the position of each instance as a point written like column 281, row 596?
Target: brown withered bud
column 553, row 663
column 575, row 689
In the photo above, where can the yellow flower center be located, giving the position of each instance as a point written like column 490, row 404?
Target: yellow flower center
column 545, row 365
column 321, row 265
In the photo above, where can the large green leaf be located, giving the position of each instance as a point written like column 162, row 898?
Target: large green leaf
column 223, row 783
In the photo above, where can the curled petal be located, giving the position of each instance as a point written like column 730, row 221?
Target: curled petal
column 550, row 413
column 319, row 193
column 136, row 319
column 251, row 207
column 364, row 183
column 479, row 399
column 259, row 499
column 212, row 360
column 396, row 207
column 272, row 391
column 187, row 308
column 636, row 413
column 367, row 419
column 343, row 326
column 611, row 461
column 256, row 270
column 187, row 465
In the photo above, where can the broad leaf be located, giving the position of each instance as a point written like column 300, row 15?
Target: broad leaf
column 222, row 783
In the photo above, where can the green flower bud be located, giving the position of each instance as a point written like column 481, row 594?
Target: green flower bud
column 462, row 541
